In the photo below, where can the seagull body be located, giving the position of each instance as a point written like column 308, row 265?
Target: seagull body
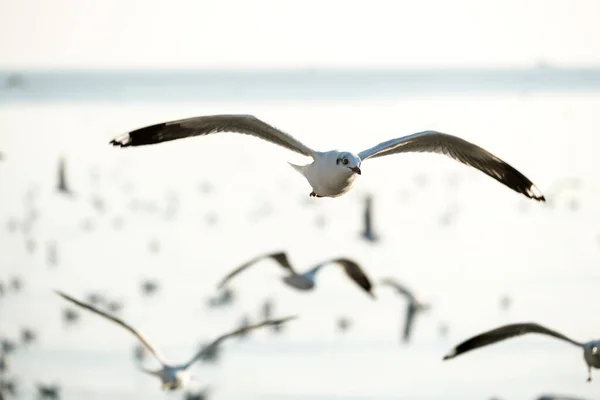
column 332, row 173
column 172, row 376
column 591, row 350
column 413, row 308
column 306, row 281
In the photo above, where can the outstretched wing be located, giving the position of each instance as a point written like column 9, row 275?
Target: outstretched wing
column 236, row 332
column 354, row 271
column 462, row 151
column 279, row 257
column 206, row 125
column 502, row 333
column 137, row 333
column 403, row 290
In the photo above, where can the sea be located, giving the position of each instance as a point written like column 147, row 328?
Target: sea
column 185, row 213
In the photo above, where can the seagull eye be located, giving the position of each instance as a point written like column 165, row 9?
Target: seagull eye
column 345, row 161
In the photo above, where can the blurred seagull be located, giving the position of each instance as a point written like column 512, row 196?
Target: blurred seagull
column 412, row 309
column 332, row 173
column 591, row 352
column 173, row 376
column 306, row 280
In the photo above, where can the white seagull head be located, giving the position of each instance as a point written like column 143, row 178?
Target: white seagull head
column 348, row 162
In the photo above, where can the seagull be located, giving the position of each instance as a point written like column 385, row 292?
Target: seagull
column 591, row 352
column 368, row 233
column 414, row 305
column 48, row 391
column 173, row 376
column 332, row 173
column 62, row 185
column 306, row 280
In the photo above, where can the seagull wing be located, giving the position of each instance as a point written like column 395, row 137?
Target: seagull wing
column 137, row 334
column 403, row 290
column 206, row 125
column 502, row 333
column 279, row 257
column 354, row 271
column 236, row 332
column 460, row 150
column 408, row 322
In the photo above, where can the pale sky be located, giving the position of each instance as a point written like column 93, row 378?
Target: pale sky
column 297, row 34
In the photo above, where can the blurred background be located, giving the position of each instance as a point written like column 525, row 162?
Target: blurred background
column 148, row 232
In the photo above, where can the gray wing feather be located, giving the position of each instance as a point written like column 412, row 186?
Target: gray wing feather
column 462, row 151
column 502, row 333
column 403, row 290
column 206, row 125
column 279, row 257
column 354, row 271
column 236, row 332
column 137, row 333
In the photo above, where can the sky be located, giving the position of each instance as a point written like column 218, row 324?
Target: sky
column 130, row 34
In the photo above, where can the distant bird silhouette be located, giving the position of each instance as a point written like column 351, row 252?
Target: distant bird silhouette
column 505, row 302
column 95, row 298
column 30, row 245
column 48, row 391
column 4, row 363
column 14, row 81
column 28, row 335
column 198, row 395
column 306, row 280
column 62, row 184
column 591, row 350
column 16, row 284
column 414, row 306
column 149, row 287
column 344, row 324
column 558, row 397
column 140, row 352
column 52, row 254
column 114, row 306
column 8, row 385
column 70, row 316
column 7, row 346
column 368, row 232
column 172, row 376
column 225, row 297
column 267, row 314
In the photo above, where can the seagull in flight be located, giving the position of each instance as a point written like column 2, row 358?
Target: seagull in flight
column 413, row 307
column 306, row 281
column 332, row 173
column 591, row 352
column 173, row 376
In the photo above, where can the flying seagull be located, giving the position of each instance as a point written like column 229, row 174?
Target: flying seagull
column 173, row 376
column 413, row 307
column 306, row 280
column 591, row 354
column 332, row 173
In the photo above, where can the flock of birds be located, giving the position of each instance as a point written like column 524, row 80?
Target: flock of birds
column 331, row 174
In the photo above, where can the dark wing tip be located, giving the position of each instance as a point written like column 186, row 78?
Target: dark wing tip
column 121, row 142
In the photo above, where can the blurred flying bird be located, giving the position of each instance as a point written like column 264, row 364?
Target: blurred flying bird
column 62, row 185
column 172, row 376
column 591, row 350
column 413, row 307
column 368, row 233
column 48, row 391
column 306, row 280
column 332, row 173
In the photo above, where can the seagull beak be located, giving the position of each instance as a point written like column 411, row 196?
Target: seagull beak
column 356, row 169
